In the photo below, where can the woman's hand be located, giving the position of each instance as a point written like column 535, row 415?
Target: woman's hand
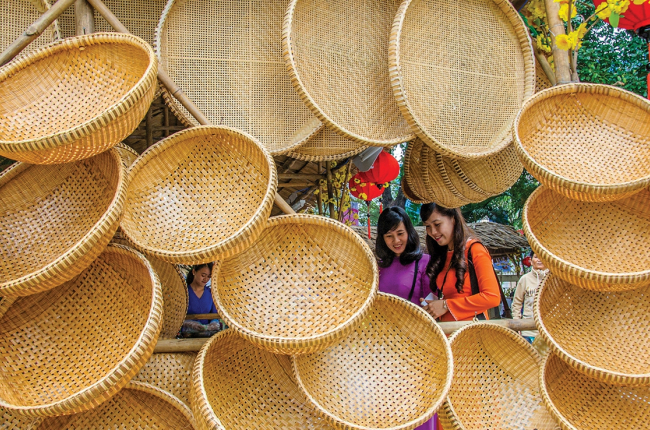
column 193, row 326
column 435, row 308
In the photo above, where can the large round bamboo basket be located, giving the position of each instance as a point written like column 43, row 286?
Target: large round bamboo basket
column 200, row 195
column 71, row 348
column 579, row 402
column 174, row 291
column 127, row 153
column 436, row 187
column 588, row 142
column 458, row 93
column 17, row 15
column 413, row 176
column 239, row 386
column 171, row 372
column 137, row 406
column 12, row 421
column 337, row 55
column 56, row 220
column 304, row 284
column 569, row 236
column 75, row 98
column 326, row 146
column 495, row 382
column 392, row 372
column 601, row 334
column 228, row 60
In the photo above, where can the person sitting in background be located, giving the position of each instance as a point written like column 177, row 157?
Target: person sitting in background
column 525, row 294
column 200, row 299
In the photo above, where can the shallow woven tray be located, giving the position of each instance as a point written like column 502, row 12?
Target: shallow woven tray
column 171, row 373
column 75, row 98
column 56, row 220
column 174, row 291
column 304, row 284
column 569, row 236
column 412, row 179
column 495, row 383
column 587, row 141
column 10, row 420
column 228, row 60
column 437, row 189
column 458, row 93
column 17, row 15
column 200, row 195
column 73, row 347
column 601, row 334
column 137, row 406
column 392, row 372
column 326, row 146
column 337, row 55
column 579, row 402
column 127, row 153
column 236, row 385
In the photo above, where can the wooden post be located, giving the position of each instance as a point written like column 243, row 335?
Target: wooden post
column 560, row 57
column 319, row 198
column 330, row 189
column 548, row 70
column 34, row 30
column 283, row 205
column 83, row 18
column 149, row 127
column 344, row 187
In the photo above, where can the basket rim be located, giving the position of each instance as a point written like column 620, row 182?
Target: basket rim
column 164, row 395
column 563, row 266
column 426, row 152
column 228, row 245
column 595, row 372
column 121, row 106
column 312, row 340
column 552, row 409
column 122, row 372
column 306, row 97
column 294, row 153
column 106, row 224
column 544, row 174
column 399, row 90
column 406, row 160
column 437, row 331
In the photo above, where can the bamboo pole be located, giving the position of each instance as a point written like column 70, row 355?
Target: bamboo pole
column 548, row 70
column 34, row 30
column 319, row 198
column 84, row 19
column 330, row 189
column 303, row 176
column 171, row 86
column 296, row 184
column 560, row 57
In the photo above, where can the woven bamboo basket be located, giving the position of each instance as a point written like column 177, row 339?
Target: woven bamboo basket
column 601, row 334
column 409, row 194
column 127, row 153
column 17, row 15
column 569, row 236
column 458, row 93
column 171, row 373
column 71, row 348
column 228, row 60
column 174, row 291
column 75, row 98
column 392, row 372
column 588, row 142
column 304, row 284
column 337, row 55
column 200, row 195
column 412, row 180
column 495, row 382
column 239, row 386
column 326, row 146
column 579, row 402
column 12, row 421
column 137, row 406
column 541, row 80
column 437, row 189
column 56, row 220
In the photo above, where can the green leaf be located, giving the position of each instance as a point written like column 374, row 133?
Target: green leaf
column 613, row 19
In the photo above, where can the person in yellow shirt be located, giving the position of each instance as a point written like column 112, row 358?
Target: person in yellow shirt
column 526, row 292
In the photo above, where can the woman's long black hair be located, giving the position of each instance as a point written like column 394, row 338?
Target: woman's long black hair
column 389, row 220
column 439, row 253
column 190, row 274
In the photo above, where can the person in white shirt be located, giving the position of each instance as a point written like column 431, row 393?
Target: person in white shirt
column 526, row 292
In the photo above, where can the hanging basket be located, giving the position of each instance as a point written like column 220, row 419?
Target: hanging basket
column 239, row 386
column 601, row 334
column 412, row 179
column 327, row 146
column 495, row 382
column 579, row 402
column 72, row 348
column 75, row 98
column 127, row 153
column 588, row 142
column 337, row 55
column 392, row 372
column 458, row 93
column 437, row 189
column 56, row 220
column 171, row 373
column 304, row 284
column 569, row 237
column 200, row 195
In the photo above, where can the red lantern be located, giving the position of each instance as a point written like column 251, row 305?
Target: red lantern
column 384, row 170
column 362, row 188
column 527, row 262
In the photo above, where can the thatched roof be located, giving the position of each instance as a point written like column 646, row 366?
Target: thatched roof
column 498, row 238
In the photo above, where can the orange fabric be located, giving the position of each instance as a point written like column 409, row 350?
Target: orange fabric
column 463, row 306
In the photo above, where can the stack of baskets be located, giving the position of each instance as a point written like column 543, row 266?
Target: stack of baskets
column 590, row 224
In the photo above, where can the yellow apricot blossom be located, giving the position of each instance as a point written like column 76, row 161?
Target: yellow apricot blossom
column 564, row 11
column 638, row 2
column 619, row 6
column 562, row 41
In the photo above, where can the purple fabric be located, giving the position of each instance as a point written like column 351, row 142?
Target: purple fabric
column 398, row 279
column 203, row 305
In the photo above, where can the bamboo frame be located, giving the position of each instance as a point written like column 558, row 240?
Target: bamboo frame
column 560, row 57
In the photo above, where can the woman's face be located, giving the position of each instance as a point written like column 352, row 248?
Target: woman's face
column 396, row 239
column 537, row 263
column 202, row 276
column 440, row 228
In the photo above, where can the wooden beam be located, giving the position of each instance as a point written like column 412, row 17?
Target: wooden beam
column 296, row 184
column 201, row 316
column 303, row 176
column 34, row 30
column 548, row 70
column 560, row 57
column 319, row 198
column 283, row 205
column 330, row 189
column 84, row 18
